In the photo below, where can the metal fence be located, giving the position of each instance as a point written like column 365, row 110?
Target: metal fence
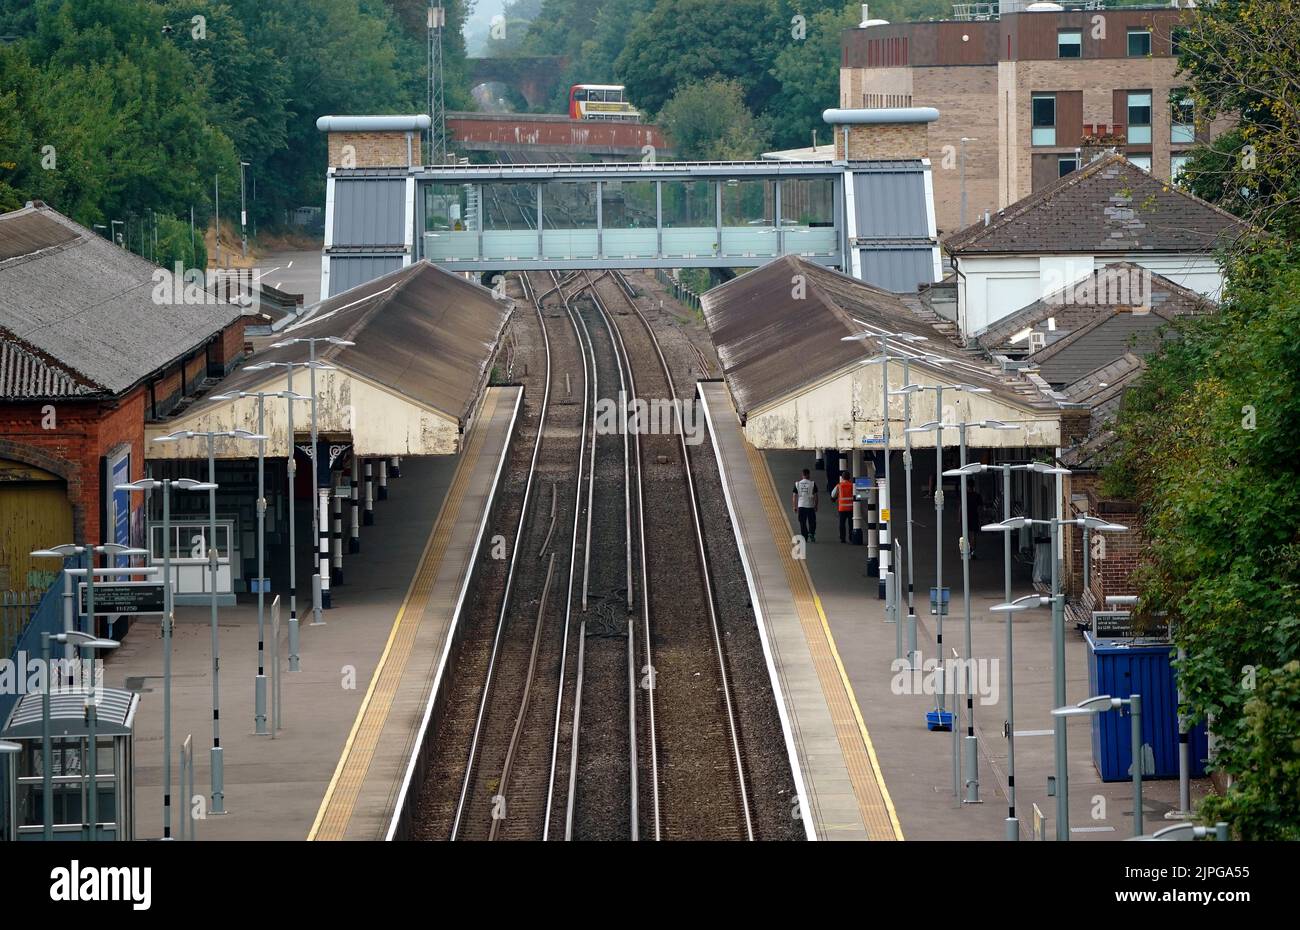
column 680, row 291
column 16, row 609
column 25, row 616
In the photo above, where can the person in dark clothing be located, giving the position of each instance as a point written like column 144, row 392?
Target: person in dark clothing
column 803, row 497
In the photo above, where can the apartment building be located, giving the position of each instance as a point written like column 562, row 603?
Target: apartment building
column 1032, row 90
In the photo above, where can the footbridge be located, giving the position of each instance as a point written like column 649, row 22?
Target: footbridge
column 873, row 219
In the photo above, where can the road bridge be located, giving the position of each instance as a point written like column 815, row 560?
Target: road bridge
column 539, row 134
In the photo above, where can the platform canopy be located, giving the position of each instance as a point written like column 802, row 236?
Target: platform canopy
column 797, row 384
column 424, row 339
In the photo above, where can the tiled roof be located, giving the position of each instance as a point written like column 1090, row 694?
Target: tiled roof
column 780, row 328
column 1105, row 339
column 421, row 331
column 1108, row 206
column 86, row 305
column 1102, row 390
column 1113, row 287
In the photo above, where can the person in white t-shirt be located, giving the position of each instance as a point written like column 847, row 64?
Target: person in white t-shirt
column 803, row 497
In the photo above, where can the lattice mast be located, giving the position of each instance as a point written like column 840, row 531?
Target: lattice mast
column 437, row 102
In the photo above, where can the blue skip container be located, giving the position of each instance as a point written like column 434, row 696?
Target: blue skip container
column 1120, row 668
column 938, row 720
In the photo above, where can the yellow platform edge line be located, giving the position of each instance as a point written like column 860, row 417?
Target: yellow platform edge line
column 844, row 677
column 857, row 713
column 339, row 767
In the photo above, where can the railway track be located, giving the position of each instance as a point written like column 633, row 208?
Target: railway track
column 700, row 791
column 593, row 701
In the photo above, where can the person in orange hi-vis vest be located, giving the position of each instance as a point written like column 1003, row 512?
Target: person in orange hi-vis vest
column 842, row 494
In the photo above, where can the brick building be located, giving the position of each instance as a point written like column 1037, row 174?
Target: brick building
column 87, row 356
column 1032, row 91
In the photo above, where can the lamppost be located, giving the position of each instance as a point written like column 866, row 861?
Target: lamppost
column 243, row 211
column 1104, row 702
column 292, row 468
column 259, row 682
column 1058, row 623
column 943, row 719
column 217, row 765
column 147, row 485
column 883, row 360
column 317, row 521
column 972, row 744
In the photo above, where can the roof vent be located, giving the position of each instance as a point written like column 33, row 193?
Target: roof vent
column 867, row 21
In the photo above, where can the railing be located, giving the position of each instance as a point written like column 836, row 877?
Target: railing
column 680, row 291
column 43, row 614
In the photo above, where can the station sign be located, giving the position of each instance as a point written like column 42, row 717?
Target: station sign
column 1118, row 624
column 124, row 597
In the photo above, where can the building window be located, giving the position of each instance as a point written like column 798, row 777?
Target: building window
column 1141, row 161
column 1139, row 43
column 1044, row 119
column 1182, row 121
column 1139, row 118
column 1176, row 40
column 1069, row 43
column 1067, row 164
column 1177, row 165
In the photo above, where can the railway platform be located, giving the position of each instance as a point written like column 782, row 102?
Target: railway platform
column 869, row 767
column 352, row 714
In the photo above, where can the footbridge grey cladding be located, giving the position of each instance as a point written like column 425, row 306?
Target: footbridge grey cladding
column 370, row 212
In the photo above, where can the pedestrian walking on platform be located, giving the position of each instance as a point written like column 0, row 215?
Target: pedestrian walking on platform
column 842, row 494
column 804, row 499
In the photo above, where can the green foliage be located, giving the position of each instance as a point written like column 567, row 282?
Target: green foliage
column 808, row 76
column 1207, row 439
column 142, row 104
column 1242, row 61
column 709, row 122
column 1264, row 800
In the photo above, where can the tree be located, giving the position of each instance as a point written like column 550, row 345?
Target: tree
column 1207, row 440
column 808, row 75
column 682, row 42
column 1264, row 802
column 708, row 121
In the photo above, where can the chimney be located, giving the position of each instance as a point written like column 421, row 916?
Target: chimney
column 373, row 141
column 879, row 134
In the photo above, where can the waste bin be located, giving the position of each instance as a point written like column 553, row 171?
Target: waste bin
column 1120, row 667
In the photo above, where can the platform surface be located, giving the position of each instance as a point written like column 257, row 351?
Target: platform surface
column 352, row 713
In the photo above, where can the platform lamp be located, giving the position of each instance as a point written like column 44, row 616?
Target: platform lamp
column 166, row 484
column 962, row 472
column 1100, row 704
column 317, row 520
column 883, row 360
column 217, row 766
column 1058, row 624
column 939, row 718
column 291, row 468
column 906, row 392
column 1010, row 608
column 259, row 681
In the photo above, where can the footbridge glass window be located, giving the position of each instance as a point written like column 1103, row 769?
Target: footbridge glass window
column 569, row 219
column 510, row 220
column 690, row 218
column 749, row 217
column 451, row 221
column 808, row 216
column 629, row 216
